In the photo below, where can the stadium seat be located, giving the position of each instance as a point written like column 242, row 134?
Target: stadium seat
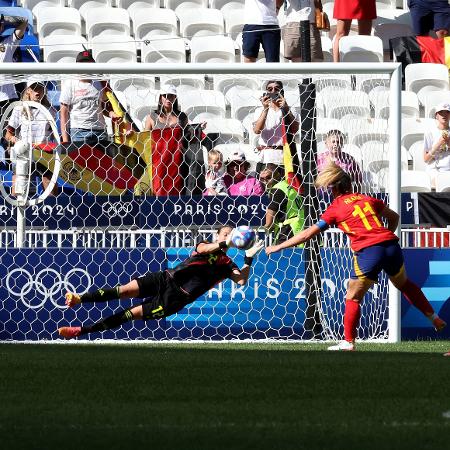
column 390, row 30
column 414, row 129
column 363, row 130
column 200, row 105
column 225, row 83
column 179, row 5
column 339, row 103
column 360, row 49
column 376, row 156
column 432, row 99
column 335, row 81
column 212, row 49
column 415, row 181
column 58, row 48
column 107, row 22
column 137, row 4
column 36, row 5
column 153, row 21
column 228, row 130
column 79, row 4
column 369, row 82
column 114, row 49
column 58, row 21
column 324, row 124
column 327, row 48
column 243, row 103
column 416, row 152
column 409, row 104
column 139, row 82
column 442, row 181
column 163, row 49
column 226, row 5
column 184, row 82
column 424, row 77
column 234, row 22
column 200, row 22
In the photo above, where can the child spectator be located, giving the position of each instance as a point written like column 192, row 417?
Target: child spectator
column 214, row 182
column 238, row 180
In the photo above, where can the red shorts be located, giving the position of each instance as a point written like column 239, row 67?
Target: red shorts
column 355, row 9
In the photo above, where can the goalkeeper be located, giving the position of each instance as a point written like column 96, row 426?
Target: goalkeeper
column 169, row 291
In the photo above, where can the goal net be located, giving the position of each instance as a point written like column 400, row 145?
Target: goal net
column 118, row 172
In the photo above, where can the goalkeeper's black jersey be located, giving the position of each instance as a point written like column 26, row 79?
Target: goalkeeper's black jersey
column 199, row 273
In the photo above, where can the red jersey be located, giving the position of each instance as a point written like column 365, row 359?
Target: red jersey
column 358, row 216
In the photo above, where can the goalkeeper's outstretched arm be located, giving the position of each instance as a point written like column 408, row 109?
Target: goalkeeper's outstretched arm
column 241, row 276
column 298, row 239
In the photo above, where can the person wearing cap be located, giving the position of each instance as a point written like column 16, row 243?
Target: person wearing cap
column 35, row 129
column 437, row 142
column 8, row 45
column 237, row 179
column 268, row 124
column 83, row 107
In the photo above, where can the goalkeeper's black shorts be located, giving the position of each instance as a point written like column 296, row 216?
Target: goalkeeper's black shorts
column 162, row 296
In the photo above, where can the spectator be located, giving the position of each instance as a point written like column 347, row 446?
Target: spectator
column 333, row 154
column 284, row 214
column 8, row 45
column 37, row 131
column 214, row 182
column 268, row 124
column 167, row 124
column 364, row 11
column 83, row 105
column 297, row 11
column 437, row 142
column 238, row 180
column 262, row 29
column 429, row 15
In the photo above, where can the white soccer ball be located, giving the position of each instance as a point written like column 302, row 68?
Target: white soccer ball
column 243, row 237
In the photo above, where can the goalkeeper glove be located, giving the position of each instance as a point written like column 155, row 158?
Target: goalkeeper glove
column 255, row 248
column 228, row 241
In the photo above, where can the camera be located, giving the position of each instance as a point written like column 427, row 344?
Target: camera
column 272, row 95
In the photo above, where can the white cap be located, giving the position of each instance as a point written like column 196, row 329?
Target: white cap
column 443, row 107
column 32, row 83
column 168, row 89
column 237, row 155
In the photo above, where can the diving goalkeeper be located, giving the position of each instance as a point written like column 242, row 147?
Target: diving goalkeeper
column 168, row 291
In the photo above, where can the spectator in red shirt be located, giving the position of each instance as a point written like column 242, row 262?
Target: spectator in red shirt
column 375, row 248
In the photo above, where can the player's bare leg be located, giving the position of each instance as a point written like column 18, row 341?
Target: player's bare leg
column 416, row 297
column 356, row 290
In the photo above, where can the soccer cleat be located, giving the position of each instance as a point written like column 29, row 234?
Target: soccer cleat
column 343, row 346
column 72, row 299
column 439, row 324
column 69, row 332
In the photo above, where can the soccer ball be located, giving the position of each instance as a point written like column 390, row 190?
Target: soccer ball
column 243, row 237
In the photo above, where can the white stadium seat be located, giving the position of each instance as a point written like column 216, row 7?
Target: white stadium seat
column 78, row 4
column 92, row 4
column 36, row 5
column 424, row 77
column 200, row 22
column 179, row 5
column 413, row 130
column 432, row 99
column 327, row 48
column 225, row 83
column 121, row 83
column 380, row 102
column 164, row 49
column 335, row 81
column 62, row 48
column 339, row 103
column 107, row 22
column 114, row 49
column 360, row 49
column 184, row 82
column 234, row 22
column 200, row 105
column 415, row 181
column 229, row 130
column 390, row 30
column 212, row 49
column 58, row 21
column 442, row 181
column 226, row 5
column 137, row 4
column 243, row 103
column 416, row 152
column 153, row 21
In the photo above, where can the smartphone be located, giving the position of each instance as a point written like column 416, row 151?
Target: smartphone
column 273, row 95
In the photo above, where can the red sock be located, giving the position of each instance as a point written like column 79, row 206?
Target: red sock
column 351, row 319
column 415, row 296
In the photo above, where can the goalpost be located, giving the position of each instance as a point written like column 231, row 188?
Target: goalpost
column 135, row 202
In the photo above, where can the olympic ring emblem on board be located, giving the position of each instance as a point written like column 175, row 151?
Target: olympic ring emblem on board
column 117, row 209
column 36, row 282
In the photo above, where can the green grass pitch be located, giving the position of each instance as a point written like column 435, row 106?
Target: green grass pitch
column 228, row 396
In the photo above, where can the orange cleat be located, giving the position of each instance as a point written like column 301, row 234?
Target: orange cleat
column 69, row 332
column 72, row 299
column 439, row 324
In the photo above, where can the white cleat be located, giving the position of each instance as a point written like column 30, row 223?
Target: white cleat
column 343, row 346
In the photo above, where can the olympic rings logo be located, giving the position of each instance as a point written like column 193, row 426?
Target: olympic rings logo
column 36, row 283
column 117, row 209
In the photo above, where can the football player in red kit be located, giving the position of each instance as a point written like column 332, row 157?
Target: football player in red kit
column 375, row 248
